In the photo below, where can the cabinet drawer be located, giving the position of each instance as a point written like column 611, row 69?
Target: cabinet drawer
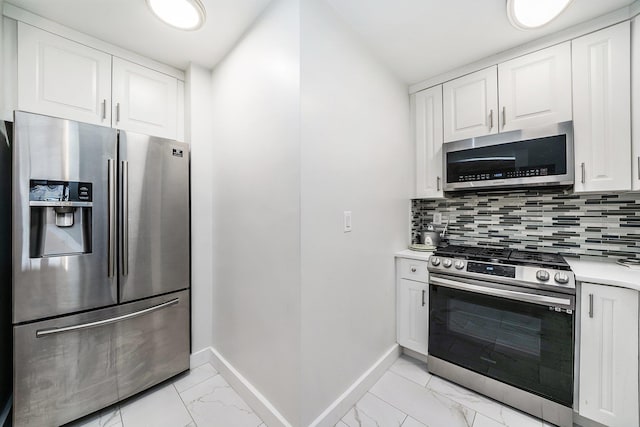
column 414, row 270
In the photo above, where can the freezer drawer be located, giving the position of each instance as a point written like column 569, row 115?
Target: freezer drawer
column 71, row 366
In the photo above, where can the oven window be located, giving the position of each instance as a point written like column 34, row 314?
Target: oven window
column 526, row 345
column 513, row 331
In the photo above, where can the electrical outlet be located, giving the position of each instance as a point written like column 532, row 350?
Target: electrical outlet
column 347, row 221
column 437, row 218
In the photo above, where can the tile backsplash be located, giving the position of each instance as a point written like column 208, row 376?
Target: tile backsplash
column 546, row 220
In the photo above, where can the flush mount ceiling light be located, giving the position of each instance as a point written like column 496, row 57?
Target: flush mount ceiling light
column 182, row 14
column 529, row 14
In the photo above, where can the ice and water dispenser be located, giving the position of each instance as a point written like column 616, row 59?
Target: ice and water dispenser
column 60, row 218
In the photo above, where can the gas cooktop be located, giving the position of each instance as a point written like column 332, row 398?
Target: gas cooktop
column 503, row 256
column 509, row 266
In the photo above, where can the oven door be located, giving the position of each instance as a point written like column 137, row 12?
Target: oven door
column 508, row 333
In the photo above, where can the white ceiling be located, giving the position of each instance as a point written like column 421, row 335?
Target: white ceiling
column 130, row 24
column 420, row 39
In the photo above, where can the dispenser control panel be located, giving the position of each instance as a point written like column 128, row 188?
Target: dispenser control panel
column 60, row 191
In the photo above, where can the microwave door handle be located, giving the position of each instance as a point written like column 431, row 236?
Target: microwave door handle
column 514, row 295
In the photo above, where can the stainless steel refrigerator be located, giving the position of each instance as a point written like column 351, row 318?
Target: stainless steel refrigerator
column 100, row 266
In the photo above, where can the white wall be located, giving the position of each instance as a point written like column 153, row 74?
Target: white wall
column 356, row 156
column 198, row 132
column 256, row 207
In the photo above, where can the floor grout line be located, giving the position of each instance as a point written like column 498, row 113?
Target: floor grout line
column 185, row 405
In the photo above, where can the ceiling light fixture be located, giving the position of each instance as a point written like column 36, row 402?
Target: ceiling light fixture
column 530, row 14
column 182, row 14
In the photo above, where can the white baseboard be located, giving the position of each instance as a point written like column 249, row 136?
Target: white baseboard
column 269, row 414
column 201, row 357
column 258, row 402
column 354, row 393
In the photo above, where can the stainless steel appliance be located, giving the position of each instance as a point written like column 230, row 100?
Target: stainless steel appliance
column 523, row 158
column 501, row 322
column 101, row 266
column 6, row 343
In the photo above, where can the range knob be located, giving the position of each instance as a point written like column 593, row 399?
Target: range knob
column 447, row 263
column 459, row 265
column 435, row 261
column 561, row 278
column 542, row 275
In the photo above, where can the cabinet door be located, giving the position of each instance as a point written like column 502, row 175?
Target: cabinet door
column 428, row 136
column 62, row 78
column 535, row 89
column 144, row 100
column 413, row 315
column 471, row 105
column 609, row 355
column 635, row 101
column 602, row 115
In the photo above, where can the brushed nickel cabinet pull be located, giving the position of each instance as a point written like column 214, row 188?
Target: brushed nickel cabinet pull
column 638, row 167
column 583, row 172
column 104, row 109
column 423, row 292
column 413, row 269
column 438, row 184
column 491, row 120
column 117, row 112
column 591, row 305
column 504, row 117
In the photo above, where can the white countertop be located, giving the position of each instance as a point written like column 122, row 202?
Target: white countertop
column 605, row 272
column 417, row 255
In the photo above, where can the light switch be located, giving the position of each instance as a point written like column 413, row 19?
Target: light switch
column 437, row 218
column 347, row 221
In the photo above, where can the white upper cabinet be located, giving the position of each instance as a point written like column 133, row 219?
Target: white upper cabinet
column 427, row 106
column 144, row 100
column 601, row 116
column 471, row 105
column 635, row 83
column 608, row 389
column 535, row 89
column 62, row 78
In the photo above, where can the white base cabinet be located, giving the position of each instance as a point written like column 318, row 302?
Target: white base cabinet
column 413, row 305
column 602, row 109
column 608, row 388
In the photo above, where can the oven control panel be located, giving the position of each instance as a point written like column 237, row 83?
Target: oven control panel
column 491, row 269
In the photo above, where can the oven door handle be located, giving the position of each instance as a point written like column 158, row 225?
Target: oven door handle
column 514, row 295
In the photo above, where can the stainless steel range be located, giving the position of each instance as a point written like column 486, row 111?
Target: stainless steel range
column 501, row 322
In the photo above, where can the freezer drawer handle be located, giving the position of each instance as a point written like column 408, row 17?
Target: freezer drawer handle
column 52, row 331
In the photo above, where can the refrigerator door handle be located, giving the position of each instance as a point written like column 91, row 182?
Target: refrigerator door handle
column 111, row 243
column 52, row 331
column 125, row 218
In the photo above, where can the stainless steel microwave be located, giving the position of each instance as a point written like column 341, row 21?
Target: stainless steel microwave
column 523, row 158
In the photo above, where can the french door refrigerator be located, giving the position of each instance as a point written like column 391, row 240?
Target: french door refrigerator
column 100, row 266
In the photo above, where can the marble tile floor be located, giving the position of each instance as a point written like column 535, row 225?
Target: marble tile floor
column 406, row 396
column 199, row 398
